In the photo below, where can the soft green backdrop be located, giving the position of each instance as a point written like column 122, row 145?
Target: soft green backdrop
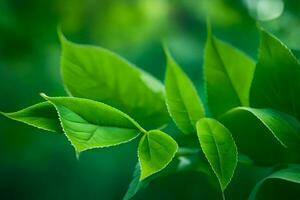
column 38, row 165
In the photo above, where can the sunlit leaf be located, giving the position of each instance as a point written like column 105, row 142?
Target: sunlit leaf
column 90, row 124
column 156, row 150
column 183, row 101
column 99, row 74
column 219, row 148
column 228, row 73
column 42, row 115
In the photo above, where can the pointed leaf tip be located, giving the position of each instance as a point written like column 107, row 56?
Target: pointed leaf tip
column 208, row 27
column 44, row 96
column 42, row 115
column 61, row 35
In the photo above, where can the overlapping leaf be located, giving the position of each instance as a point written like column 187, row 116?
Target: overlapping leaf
column 190, row 160
column 98, row 74
column 276, row 82
column 182, row 99
column 90, row 124
column 280, row 131
column 283, row 184
column 228, row 73
column 156, row 150
column 42, row 115
column 219, row 148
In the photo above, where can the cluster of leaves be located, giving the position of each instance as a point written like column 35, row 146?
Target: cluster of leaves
column 112, row 102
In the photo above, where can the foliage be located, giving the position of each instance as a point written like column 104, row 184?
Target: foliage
column 112, row 102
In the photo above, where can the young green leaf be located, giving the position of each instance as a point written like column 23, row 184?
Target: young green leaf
column 42, row 115
column 156, row 150
column 183, row 102
column 276, row 82
column 228, row 74
column 90, row 124
column 219, row 148
column 289, row 177
column 108, row 78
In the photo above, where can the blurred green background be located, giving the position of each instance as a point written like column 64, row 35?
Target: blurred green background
column 38, row 165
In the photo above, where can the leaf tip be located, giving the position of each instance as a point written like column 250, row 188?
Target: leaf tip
column 208, row 27
column 3, row 113
column 44, row 96
column 7, row 114
column 61, row 36
column 166, row 51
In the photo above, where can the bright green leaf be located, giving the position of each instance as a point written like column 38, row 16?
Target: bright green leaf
column 279, row 185
column 156, row 150
column 182, row 99
column 276, row 82
column 219, row 148
column 90, row 124
column 42, row 115
column 260, row 127
column 98, row 74
column 228, row 73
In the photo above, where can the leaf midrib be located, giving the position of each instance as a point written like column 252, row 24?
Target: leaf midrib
column 218, row 150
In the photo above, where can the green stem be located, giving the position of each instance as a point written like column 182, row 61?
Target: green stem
column 223, row 196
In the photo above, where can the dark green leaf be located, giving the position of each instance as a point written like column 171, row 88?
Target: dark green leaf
column 155, row 152
column 254, row 128
column 276, row 82
column 268, row 130
column 42, row 115
column 285, row 128
column 90, row 124
column 186, row 162
column 286, row 181
column 98, row 74
column 228, row 74
column 183, row 101
column 219, row 148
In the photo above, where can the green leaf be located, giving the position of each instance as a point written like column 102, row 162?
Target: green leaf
column 228, row 74
column 183, row 102
column 42, row 115
column 136, row 184
column 258, row 127
column 191, row 161
column 276, row 82
column 108, row 78
column 286, row 180
column 219, row 148
column 284, row 127
column 156, row 150
column 90, row 124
